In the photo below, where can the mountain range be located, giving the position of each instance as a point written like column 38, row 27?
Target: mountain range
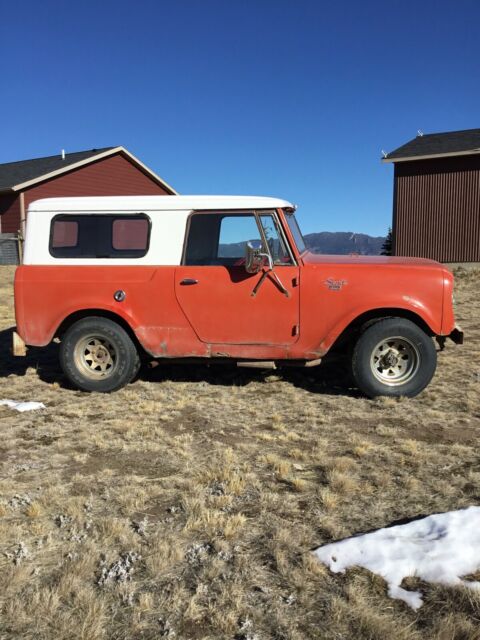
column 326, row 242
column 343, row 243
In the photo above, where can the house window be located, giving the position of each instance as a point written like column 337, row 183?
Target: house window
column 99, row 236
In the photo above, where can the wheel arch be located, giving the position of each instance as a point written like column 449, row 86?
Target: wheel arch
column 69, row 320
column 365, row 319
column 393, row 357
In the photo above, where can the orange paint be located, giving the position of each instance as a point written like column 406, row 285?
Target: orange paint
column 218, row 317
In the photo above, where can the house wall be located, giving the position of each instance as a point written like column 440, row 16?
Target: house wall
column 112, row 176
column 437, row 209
column 9, row 213
column 8, row 248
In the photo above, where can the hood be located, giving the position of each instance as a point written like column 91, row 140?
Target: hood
column 318, row 258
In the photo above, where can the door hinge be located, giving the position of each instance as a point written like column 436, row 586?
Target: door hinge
column 295, row 330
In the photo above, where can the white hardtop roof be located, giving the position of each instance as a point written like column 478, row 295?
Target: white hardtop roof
column 156, row 203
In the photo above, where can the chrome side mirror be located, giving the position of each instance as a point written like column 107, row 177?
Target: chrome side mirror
column 254, row 258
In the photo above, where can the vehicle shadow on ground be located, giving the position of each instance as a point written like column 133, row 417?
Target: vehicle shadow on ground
column 330, row 377
column 44, row 360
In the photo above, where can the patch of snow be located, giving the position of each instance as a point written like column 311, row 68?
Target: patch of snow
column 19, row 501
column 119, row 571
column 198, row 552
column 22, row 406
column 166, row 630
column 173, row 509
column 246, row 631
column 21, row 553
column 226, row 556
column 26, row 466
column 62, row 520
column 128, row 598
column 440, row 548
column 216, row 489
column 75, row 536
column 140, row 527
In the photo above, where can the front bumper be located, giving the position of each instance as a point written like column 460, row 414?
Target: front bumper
column 457, row 335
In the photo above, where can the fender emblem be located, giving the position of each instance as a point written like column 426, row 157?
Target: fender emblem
column 334, row 285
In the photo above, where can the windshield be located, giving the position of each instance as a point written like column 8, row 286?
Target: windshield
column 296, row 233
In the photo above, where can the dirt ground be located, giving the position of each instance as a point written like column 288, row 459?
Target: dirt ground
column 186, row 505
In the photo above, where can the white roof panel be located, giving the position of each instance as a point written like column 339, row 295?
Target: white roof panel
column 156, row 203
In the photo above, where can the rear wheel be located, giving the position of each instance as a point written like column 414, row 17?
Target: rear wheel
column 97, row 354
column 393, row 357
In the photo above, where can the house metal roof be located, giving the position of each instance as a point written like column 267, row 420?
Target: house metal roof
column 15, row 176
column 437, row 145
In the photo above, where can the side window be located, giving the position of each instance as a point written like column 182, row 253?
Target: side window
column 64, row 234
column 235, row 232
column 99, row 236
column 275, row 241
column 219, row 238
column 130, row 234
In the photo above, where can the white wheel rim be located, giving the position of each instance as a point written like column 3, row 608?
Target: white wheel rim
column 395, row 361
column 95, row 357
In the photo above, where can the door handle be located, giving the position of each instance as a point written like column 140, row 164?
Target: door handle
column 188, row 281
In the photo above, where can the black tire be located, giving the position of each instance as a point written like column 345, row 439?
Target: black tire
column 393, row 357
column 97, row 354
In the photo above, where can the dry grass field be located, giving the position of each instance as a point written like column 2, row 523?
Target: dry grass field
column 186, row 505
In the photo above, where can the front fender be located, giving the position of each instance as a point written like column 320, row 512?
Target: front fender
column 410, row 307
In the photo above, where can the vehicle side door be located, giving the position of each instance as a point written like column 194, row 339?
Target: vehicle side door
column 223, row 303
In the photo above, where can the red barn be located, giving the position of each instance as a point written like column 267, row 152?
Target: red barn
column 98, row 172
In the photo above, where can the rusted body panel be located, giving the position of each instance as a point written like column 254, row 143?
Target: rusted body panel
column 46, row 295
column 219, row 318
column 338, row 289
column 208, row 310
column 222, row 310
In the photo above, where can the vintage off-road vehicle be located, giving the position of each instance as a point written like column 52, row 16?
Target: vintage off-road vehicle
column 119, row 279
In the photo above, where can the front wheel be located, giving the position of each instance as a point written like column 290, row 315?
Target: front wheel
column 97, row 354
column 393, row 357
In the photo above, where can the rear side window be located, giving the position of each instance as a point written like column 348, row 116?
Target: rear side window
column 99, row 236
column 64, row 234
column 130, row 234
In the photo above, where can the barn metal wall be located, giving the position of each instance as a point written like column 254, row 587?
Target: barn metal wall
column 437, row 209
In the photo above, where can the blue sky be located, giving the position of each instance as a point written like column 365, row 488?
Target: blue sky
column 294, row 99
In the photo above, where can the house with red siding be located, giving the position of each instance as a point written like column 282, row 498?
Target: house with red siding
column 111, row 171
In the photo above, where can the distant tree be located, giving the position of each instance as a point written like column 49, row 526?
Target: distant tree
column 387, row 245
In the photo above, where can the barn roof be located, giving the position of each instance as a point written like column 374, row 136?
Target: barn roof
column 437, row 145
column 15, row 176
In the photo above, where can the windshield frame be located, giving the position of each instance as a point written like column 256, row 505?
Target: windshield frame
column 295, row 232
